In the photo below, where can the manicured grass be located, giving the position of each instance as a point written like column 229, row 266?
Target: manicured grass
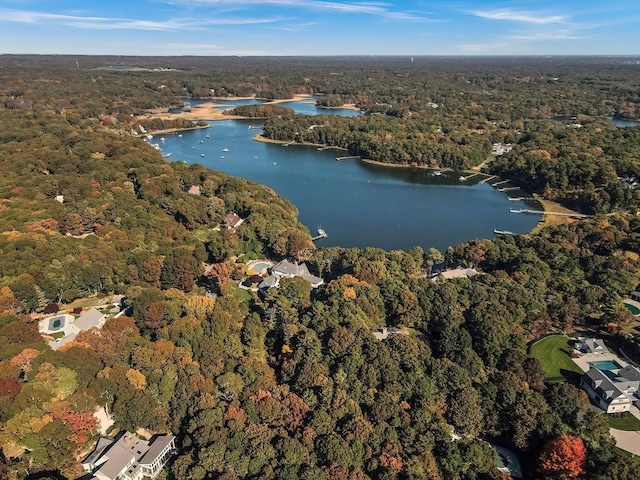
column 623, row 421
column 553, row 353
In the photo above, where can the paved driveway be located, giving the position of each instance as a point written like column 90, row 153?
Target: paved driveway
column 629, row 441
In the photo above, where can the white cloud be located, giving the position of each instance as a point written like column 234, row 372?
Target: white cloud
column 105, row 23
column 559, row 35
column 368, row 8
column 519, row 16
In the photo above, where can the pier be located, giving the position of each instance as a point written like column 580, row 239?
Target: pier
column 543, row 212
column 488, row 179
column 508, row 189
column 464, row 179
column 321, row 234
column 355, row 157
column 320, row 149
column 501, row 182
column 287, row 144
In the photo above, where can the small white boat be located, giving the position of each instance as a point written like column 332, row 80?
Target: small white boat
column 168, row 155
column 208, row 136
column 179, row 135
column 162, row 139
column 201, row 141
column 221, row 156
column 225, row 149
column 202, row 154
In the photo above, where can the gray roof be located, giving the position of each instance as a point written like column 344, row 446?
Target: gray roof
column 604, row 384
column 595, row 345
column 93, row 318
column 285, row 267
column 128, row 454
column 269, row 282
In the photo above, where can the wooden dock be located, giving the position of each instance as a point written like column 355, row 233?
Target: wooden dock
column 488, row 179
column 464, row 179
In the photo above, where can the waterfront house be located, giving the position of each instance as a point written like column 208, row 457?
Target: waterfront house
column 194, row 190
column 232, row 221
column 129, row 457
column 458, row 273
column 613, row 391
column 287, row 269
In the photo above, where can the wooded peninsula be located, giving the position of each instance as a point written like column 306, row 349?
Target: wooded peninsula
column 345, row 363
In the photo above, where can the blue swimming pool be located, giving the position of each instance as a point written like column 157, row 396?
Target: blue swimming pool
column 606, row 365
column 632, row 308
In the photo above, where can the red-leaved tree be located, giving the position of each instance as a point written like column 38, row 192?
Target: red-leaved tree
column 563, row 456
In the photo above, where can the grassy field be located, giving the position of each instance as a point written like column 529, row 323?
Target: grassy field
column 553, row 353
column 624, row 421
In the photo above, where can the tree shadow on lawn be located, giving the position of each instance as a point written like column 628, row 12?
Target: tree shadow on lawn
column 571, row 377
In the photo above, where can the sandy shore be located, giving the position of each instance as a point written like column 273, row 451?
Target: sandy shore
column 212, row 112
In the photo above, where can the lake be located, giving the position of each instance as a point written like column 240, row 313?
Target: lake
column 356, row 203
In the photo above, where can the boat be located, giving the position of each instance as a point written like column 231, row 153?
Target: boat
column 168, row 155
column 225, row 149
column 202, row 154
column 515, row 210
column 502, row 232
column 462, row 178
column 201, row 141
column 162, row 139
column 208, row 136
column 221, row 156
column 179, row 135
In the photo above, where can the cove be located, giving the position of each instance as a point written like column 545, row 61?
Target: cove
column 356, row 203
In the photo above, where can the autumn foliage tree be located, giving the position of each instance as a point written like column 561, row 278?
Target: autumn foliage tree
column 563, row 456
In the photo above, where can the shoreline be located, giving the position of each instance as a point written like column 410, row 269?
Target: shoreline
column 210, row 111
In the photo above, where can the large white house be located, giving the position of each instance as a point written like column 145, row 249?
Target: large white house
column 287, row 269
column 612, row 390
column 129, row 457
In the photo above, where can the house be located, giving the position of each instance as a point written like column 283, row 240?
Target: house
column 592, row 345
column 384, row 332
column 635, row 296
column 458, row 273
column 93, row 318
column 232, row 221
column 613, row 391
column 129, row 457
column 194, row 190
column 287, row 269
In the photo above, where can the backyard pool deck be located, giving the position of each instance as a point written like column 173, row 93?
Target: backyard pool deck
column 585, row 360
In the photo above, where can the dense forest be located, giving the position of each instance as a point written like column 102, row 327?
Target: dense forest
column 292, row 383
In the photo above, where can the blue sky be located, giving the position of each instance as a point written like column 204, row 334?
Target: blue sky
column 321, row 27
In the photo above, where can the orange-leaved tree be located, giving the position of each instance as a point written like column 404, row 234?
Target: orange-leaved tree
column 564, row 456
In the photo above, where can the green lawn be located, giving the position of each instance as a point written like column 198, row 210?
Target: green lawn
column 553, row 353
column 623, row 421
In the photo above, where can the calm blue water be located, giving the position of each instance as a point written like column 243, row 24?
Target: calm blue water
column 306, row 107
column 623, row 123
column 358, row 204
